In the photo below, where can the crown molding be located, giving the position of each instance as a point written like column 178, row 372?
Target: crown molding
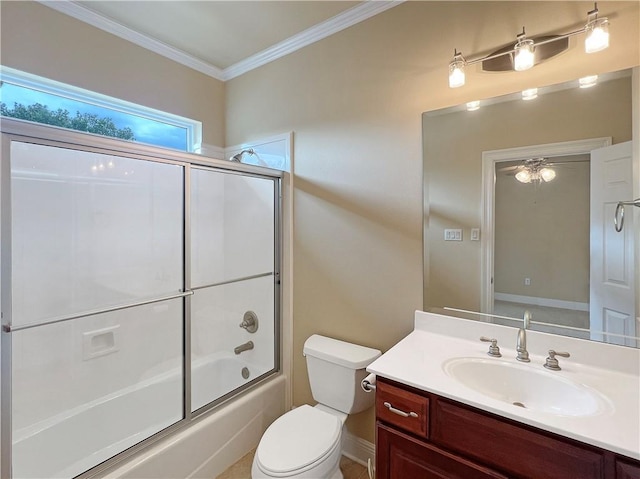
column 322, row 30
column 350, row 17
column 86, row 15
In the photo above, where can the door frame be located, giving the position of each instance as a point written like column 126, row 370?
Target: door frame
column 489, row 160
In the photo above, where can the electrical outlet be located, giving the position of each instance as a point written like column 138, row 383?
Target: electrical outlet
column 527, row 281
column 475, row 234
column 453, row 235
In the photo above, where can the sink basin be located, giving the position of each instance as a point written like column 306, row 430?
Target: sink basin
column 523, row 386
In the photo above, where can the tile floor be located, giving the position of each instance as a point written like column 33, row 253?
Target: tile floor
column 242, row 469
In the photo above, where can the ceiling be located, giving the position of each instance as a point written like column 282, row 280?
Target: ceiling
column 222, row 38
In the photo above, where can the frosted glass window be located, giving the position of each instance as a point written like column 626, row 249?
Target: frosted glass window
column 87, row 389
column 232, row 227
column 216, row 313
column 91, row 230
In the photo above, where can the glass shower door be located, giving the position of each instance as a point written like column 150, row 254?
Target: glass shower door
column 97, row 306
column 233, row 275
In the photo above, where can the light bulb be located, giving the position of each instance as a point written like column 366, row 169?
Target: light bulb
column 456, row 71
column 523, row 176
column 524, row 58
column 588, row 81
column 597, row 35
column 530, row 94
column 547, row 174
column 473, row 105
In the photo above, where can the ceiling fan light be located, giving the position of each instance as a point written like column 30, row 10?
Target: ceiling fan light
column 523, row 176
column 547, row 174
column 597, row 37
column 523, row 54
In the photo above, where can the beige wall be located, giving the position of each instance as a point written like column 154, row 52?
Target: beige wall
column 453, row 149
column 41, row 41
column 354, row 101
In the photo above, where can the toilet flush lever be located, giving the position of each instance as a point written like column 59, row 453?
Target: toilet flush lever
column 399, row 412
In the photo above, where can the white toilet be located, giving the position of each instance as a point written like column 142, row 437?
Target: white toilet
column 306, row 442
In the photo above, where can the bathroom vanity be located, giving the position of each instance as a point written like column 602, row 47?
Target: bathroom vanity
column 446, row 409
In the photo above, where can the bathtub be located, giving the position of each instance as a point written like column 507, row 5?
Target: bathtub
column 66, row 445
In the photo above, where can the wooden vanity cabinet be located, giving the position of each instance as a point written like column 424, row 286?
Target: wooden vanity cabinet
column 420, row 435
column 626, row 469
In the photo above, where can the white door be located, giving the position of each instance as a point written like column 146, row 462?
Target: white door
column 612, row 290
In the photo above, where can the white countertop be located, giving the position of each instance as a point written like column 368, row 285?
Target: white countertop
column 613, row 371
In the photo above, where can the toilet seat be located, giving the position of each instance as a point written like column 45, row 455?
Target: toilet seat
column 298, row 441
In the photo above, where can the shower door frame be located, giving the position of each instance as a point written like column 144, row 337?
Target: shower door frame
column 27, row 132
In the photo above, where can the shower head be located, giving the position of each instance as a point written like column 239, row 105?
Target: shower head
column 238, row 157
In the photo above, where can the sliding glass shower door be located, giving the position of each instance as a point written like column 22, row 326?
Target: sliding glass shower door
column 97, row 314
column 139, row 290
column 233, row 276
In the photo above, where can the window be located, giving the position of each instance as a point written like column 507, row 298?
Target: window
column 37, row 99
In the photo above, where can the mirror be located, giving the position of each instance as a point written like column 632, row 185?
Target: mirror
column 496, row 246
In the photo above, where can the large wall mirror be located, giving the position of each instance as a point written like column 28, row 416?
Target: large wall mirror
column 519, row 205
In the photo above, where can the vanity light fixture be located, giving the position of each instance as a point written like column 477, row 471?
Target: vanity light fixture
column 523, row 58
column 530, row 94
column 473, row 105
column 597, row 30
column 588, row 81
column 527, row 52
column 456, row 70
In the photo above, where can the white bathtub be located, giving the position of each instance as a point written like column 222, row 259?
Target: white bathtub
column 67, row 445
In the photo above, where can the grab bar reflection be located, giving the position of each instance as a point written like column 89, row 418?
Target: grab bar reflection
column 618, row 217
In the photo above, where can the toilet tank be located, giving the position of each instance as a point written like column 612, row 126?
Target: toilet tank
column 336, row 369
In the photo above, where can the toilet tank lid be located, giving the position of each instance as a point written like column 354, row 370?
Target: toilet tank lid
column 339, row 352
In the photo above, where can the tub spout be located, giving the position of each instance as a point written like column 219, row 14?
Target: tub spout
column 243, row 347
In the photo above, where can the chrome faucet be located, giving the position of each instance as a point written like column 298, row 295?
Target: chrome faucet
column 521, row 343
column 243, row 347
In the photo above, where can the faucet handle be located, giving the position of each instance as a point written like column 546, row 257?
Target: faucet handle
column 250, row 322
column 494, row 350
column 552, row 362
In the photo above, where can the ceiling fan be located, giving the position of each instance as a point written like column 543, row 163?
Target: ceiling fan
column 534, row 170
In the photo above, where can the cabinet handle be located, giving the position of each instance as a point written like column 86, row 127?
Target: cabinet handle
column 399, row 412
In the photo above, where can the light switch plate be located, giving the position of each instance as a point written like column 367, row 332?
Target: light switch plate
column 453, row 235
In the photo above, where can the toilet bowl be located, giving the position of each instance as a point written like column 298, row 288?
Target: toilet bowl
column 306, row 442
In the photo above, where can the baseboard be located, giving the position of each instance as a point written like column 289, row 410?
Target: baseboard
column 548, row 302
column 358, row 449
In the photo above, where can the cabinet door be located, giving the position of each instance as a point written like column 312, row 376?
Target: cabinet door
column 522, row 452
column 399, row 456
column 627, row 470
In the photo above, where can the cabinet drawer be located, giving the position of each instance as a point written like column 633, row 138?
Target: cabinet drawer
column 519, row 451
column 404, row 409
column 400, row 456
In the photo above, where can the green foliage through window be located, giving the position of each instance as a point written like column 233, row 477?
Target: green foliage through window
column 87, row 122
column 32, row 98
